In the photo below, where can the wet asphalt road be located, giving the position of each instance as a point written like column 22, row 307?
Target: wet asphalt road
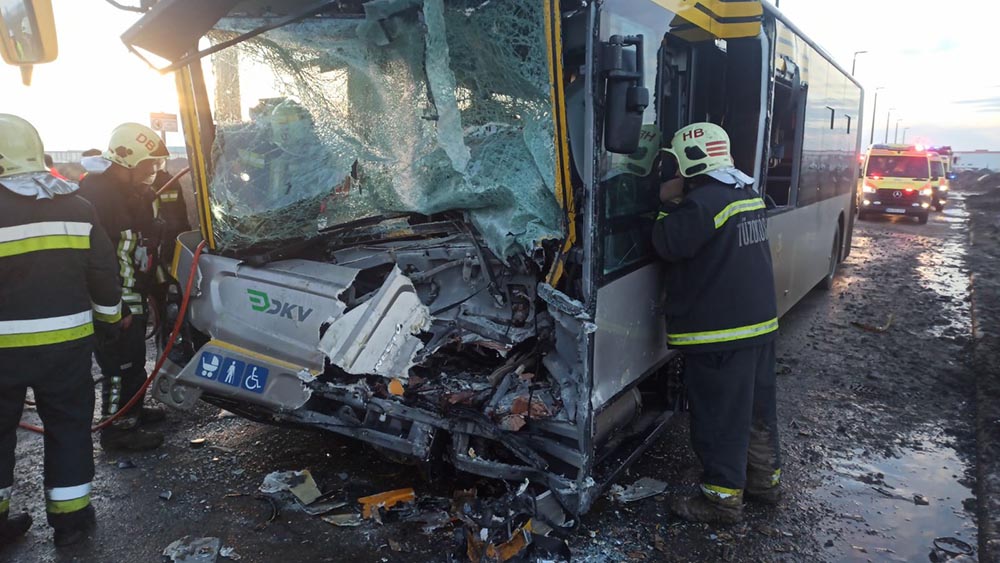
column 868, row 421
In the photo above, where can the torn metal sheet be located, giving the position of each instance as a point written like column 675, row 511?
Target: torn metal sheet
column 348, row 520
column 378, row 337
column 371, row 504
column 300, row 483
column 643, row 488
column 190, row 549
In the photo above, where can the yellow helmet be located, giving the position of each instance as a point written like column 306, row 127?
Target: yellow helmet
column 21, row 148
column 132, row 143
column 700, row 148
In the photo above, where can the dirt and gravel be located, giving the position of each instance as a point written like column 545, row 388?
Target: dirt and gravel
column 984, row 261
column 877, row 401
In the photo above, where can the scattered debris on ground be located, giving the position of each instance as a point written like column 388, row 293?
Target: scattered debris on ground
column 190, row 549
column 643, row 488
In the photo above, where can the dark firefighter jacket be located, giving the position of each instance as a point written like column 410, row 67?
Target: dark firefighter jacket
column 58, row 271
column 720, row 282
column 126, row 213
column 171, row 214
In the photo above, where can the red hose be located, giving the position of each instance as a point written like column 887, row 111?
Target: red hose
column 159, row 363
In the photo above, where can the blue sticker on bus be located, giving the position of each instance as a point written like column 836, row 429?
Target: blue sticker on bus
column 208, row 365
column 255, row 379
column 232, row 372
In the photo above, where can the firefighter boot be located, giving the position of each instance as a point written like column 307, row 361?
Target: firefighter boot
column 151, row 415
column 133, row 440
column 14, row 527
column 71, row 535
column 701, row 508
column 763, row 487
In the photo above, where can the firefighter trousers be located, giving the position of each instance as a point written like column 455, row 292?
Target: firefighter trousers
column 123, row 364
column 734, row 418
column 60, row 378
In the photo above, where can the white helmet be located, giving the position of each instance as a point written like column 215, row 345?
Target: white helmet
column 132, row 143
column 21, row 148
column 700, row 148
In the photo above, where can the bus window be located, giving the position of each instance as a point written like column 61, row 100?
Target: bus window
column 629, row 183
column 786, row 134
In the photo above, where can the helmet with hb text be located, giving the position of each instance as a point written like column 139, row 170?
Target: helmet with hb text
column 700, row 148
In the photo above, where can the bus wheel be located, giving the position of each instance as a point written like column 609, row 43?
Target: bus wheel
column 922, row 219
column 827, row 282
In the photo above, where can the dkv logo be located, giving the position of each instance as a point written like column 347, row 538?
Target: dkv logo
column 261, row 302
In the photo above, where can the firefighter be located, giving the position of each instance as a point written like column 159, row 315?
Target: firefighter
column 722, row 313
column 123, row 195
column 58, row 274
column 172, row 220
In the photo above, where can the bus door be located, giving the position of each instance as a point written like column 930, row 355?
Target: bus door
column 697, row 77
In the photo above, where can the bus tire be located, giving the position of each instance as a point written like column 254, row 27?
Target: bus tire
column 922, row 219
column 827, row 282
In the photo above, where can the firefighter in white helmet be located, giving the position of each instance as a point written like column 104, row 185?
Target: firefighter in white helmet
column 58, row 283
column 119, row 186
column 721, row 312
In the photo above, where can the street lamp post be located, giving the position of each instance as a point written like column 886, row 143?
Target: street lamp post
column 887, row 124
column 854, row 61
column 871, row 140
column 905, row 129
column 895, row 135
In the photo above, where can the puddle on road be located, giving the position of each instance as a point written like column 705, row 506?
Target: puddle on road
column 942, row 270
column 955, row 214
column 874, row 516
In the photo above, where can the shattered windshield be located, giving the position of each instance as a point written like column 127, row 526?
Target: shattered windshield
column 419, row 106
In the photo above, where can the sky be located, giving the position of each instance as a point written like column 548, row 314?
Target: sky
column 93, row 86
column 934, row 60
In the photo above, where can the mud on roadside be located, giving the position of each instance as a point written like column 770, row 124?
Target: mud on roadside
column 983, row 259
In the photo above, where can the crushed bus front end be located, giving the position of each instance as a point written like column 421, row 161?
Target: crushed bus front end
column 393, row 256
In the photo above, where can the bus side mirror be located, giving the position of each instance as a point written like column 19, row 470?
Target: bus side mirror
column 625, row 97
column 27, row 34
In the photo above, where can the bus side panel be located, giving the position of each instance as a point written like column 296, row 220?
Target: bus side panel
column 631, row 337
column 801, row 241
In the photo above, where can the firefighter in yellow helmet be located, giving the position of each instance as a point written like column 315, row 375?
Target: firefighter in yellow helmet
column 722, row 313
column 58, row 279
column 119, row 186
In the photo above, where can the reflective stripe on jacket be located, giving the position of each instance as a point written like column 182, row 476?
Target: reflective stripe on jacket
column 58, row 271
column 126, row 214
column 720, row 282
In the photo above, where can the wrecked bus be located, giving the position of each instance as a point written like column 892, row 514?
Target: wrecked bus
column 426, row 223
